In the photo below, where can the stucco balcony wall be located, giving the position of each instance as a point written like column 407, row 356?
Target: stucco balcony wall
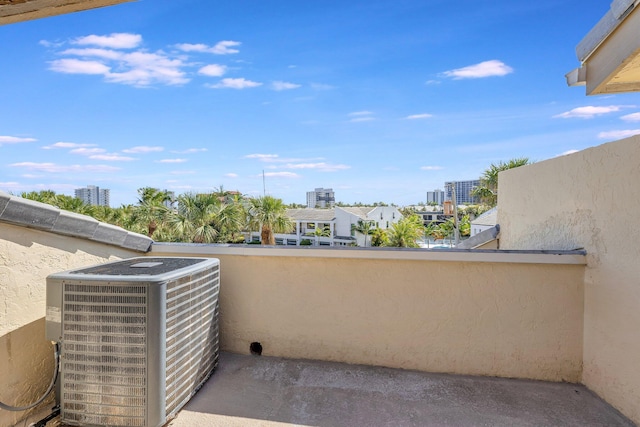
column 499, row 314
column 589, row 199
column 471, row 312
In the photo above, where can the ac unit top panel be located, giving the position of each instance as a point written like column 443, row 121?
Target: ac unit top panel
column 156, row 268
column 139, row 266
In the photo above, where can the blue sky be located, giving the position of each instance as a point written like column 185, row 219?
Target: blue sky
column 379, row 100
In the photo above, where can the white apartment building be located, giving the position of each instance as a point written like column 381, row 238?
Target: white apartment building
column 340, row 223
column 93, row 195
column 321, row 198
column 348, row 217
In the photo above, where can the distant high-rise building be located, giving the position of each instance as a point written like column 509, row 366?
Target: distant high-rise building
column 171, row 198
column 436, row 196
column 463, row 191
column 321, row 198
column 93, row 195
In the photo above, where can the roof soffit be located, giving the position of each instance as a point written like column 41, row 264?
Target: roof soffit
column 13, row 11
column 610, row 52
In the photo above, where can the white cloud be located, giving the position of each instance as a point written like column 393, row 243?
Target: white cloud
column 213, row 70
column 618, row 134
column 67, row 145
column 111, row 157
column 431, row 168
column 143, row 149
column 172, row 161
column 77, row 66
column 477, row 71
column 281, row 175
column 148, row 68
column 279, row 85
column 323, row 167
column 360, row 113
column 432, row 82
column 274, row 158
column 238, row 83
column 14, row 140
column 47, row 43
column 633, row 117
column 224, row 47
column 114, row 40
column 193, row 47
column 231, row 175
column 588, row 112
column 83, row 151
column 190, row 151
column 134, row 68
column 262, row 157
column 54, row 168
column 419, row 116
column 94, row 52
column 361, row 119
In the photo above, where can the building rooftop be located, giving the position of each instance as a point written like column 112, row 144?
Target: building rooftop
column 490, row 217
column 311, row 214
column 268, row 391
column 360, row 211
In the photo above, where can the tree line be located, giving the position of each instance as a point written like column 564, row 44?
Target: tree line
column 225, row 217
column 222, row 217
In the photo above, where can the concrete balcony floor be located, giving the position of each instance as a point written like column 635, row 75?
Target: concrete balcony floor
column 268, row 391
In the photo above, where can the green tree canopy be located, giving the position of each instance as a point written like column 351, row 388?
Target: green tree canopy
column 488, row 189
column 406, row 232
column 269, row 215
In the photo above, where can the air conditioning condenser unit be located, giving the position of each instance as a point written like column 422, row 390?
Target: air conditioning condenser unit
column 138, row 338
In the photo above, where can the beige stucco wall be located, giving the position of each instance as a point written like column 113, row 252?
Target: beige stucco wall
column 589, row 199
column 26, row 258
column 481, row 318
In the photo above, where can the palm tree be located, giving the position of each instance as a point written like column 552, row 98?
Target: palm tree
column 464, row 226
column 406, row 232
column 379, row 237
column 429, row 230
column 321, row 232
column 445, row 230
column 73, row 204
column 193, row 220
column 151, row 209
column 43, row 196
column 488, row 189
column 269, row 215
column 364, row 227
column 205, row 218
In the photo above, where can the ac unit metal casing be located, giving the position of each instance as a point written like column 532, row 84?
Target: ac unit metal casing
column 138, row 338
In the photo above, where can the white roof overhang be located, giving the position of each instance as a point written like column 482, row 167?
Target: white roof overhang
column 610, row 52
column 12, row 11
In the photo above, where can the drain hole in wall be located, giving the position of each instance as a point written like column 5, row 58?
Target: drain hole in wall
column 255, row 348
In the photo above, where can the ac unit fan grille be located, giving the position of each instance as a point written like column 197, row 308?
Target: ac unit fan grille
column 104, row 369
column 192, row 343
